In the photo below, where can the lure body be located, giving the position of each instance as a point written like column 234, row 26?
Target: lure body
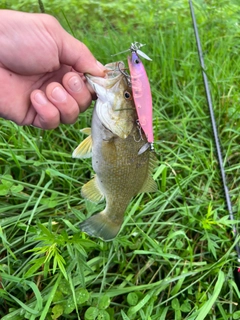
column 141, row 94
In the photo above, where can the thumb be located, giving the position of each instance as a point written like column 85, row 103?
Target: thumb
column 77, row 55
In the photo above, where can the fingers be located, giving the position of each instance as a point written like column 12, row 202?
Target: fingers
column 47, row 115
column 61, row 104
column 78, row 89
column 74, row 53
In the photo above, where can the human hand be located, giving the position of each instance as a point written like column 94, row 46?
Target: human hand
column 41, row 71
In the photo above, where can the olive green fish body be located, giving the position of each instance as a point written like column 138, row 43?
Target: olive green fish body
column 122, row 170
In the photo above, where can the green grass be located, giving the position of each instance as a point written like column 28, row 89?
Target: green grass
column 174, row 257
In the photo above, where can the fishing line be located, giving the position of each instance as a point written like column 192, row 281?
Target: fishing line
column 216, row 140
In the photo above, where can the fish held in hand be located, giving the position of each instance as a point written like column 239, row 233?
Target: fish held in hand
column 120, row 154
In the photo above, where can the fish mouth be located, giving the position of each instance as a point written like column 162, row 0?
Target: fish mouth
column 113, row 74
column 103, row 85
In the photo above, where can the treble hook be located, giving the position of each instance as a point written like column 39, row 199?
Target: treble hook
column 127, row 76
column 140, row 132
column 135, row 46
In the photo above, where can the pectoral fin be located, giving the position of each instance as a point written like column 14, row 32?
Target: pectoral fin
column 86, row 131
column 92, row 192
column 84, row 150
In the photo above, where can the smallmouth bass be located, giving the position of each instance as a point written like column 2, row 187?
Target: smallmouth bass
column 121, row 157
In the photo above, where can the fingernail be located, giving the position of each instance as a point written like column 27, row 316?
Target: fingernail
column 75, row 84
column 40, row 98
column 59, row 94
column 101, row 66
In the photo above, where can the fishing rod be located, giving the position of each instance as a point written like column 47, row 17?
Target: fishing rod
column 217, row 143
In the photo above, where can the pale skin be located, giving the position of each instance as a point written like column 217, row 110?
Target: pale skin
column 41, row 71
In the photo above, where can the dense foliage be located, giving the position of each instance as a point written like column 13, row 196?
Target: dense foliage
column 175, row 256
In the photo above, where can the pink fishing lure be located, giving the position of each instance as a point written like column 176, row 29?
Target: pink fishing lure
column 141, row 93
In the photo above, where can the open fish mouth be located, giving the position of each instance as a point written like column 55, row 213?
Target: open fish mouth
column 114, row 71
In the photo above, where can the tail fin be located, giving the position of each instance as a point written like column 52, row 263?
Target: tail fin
column 100, row 226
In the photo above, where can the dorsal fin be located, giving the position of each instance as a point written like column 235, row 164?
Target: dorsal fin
column 150, row 185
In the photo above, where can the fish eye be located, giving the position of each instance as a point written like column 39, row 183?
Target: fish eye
column 127, row 95
column 136, row 61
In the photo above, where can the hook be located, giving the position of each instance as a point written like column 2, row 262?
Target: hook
column 127, row 76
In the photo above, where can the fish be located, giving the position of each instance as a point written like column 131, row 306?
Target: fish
column 117, row 144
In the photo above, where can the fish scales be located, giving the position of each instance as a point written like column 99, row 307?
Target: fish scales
column 121, row 172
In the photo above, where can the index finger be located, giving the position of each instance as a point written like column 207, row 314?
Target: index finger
column 75, row 53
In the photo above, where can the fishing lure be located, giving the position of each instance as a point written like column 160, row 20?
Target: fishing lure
column 141, row 90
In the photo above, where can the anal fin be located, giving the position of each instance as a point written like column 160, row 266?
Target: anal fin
column 92, row 192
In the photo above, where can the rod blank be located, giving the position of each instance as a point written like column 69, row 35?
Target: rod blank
column 214, row 128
